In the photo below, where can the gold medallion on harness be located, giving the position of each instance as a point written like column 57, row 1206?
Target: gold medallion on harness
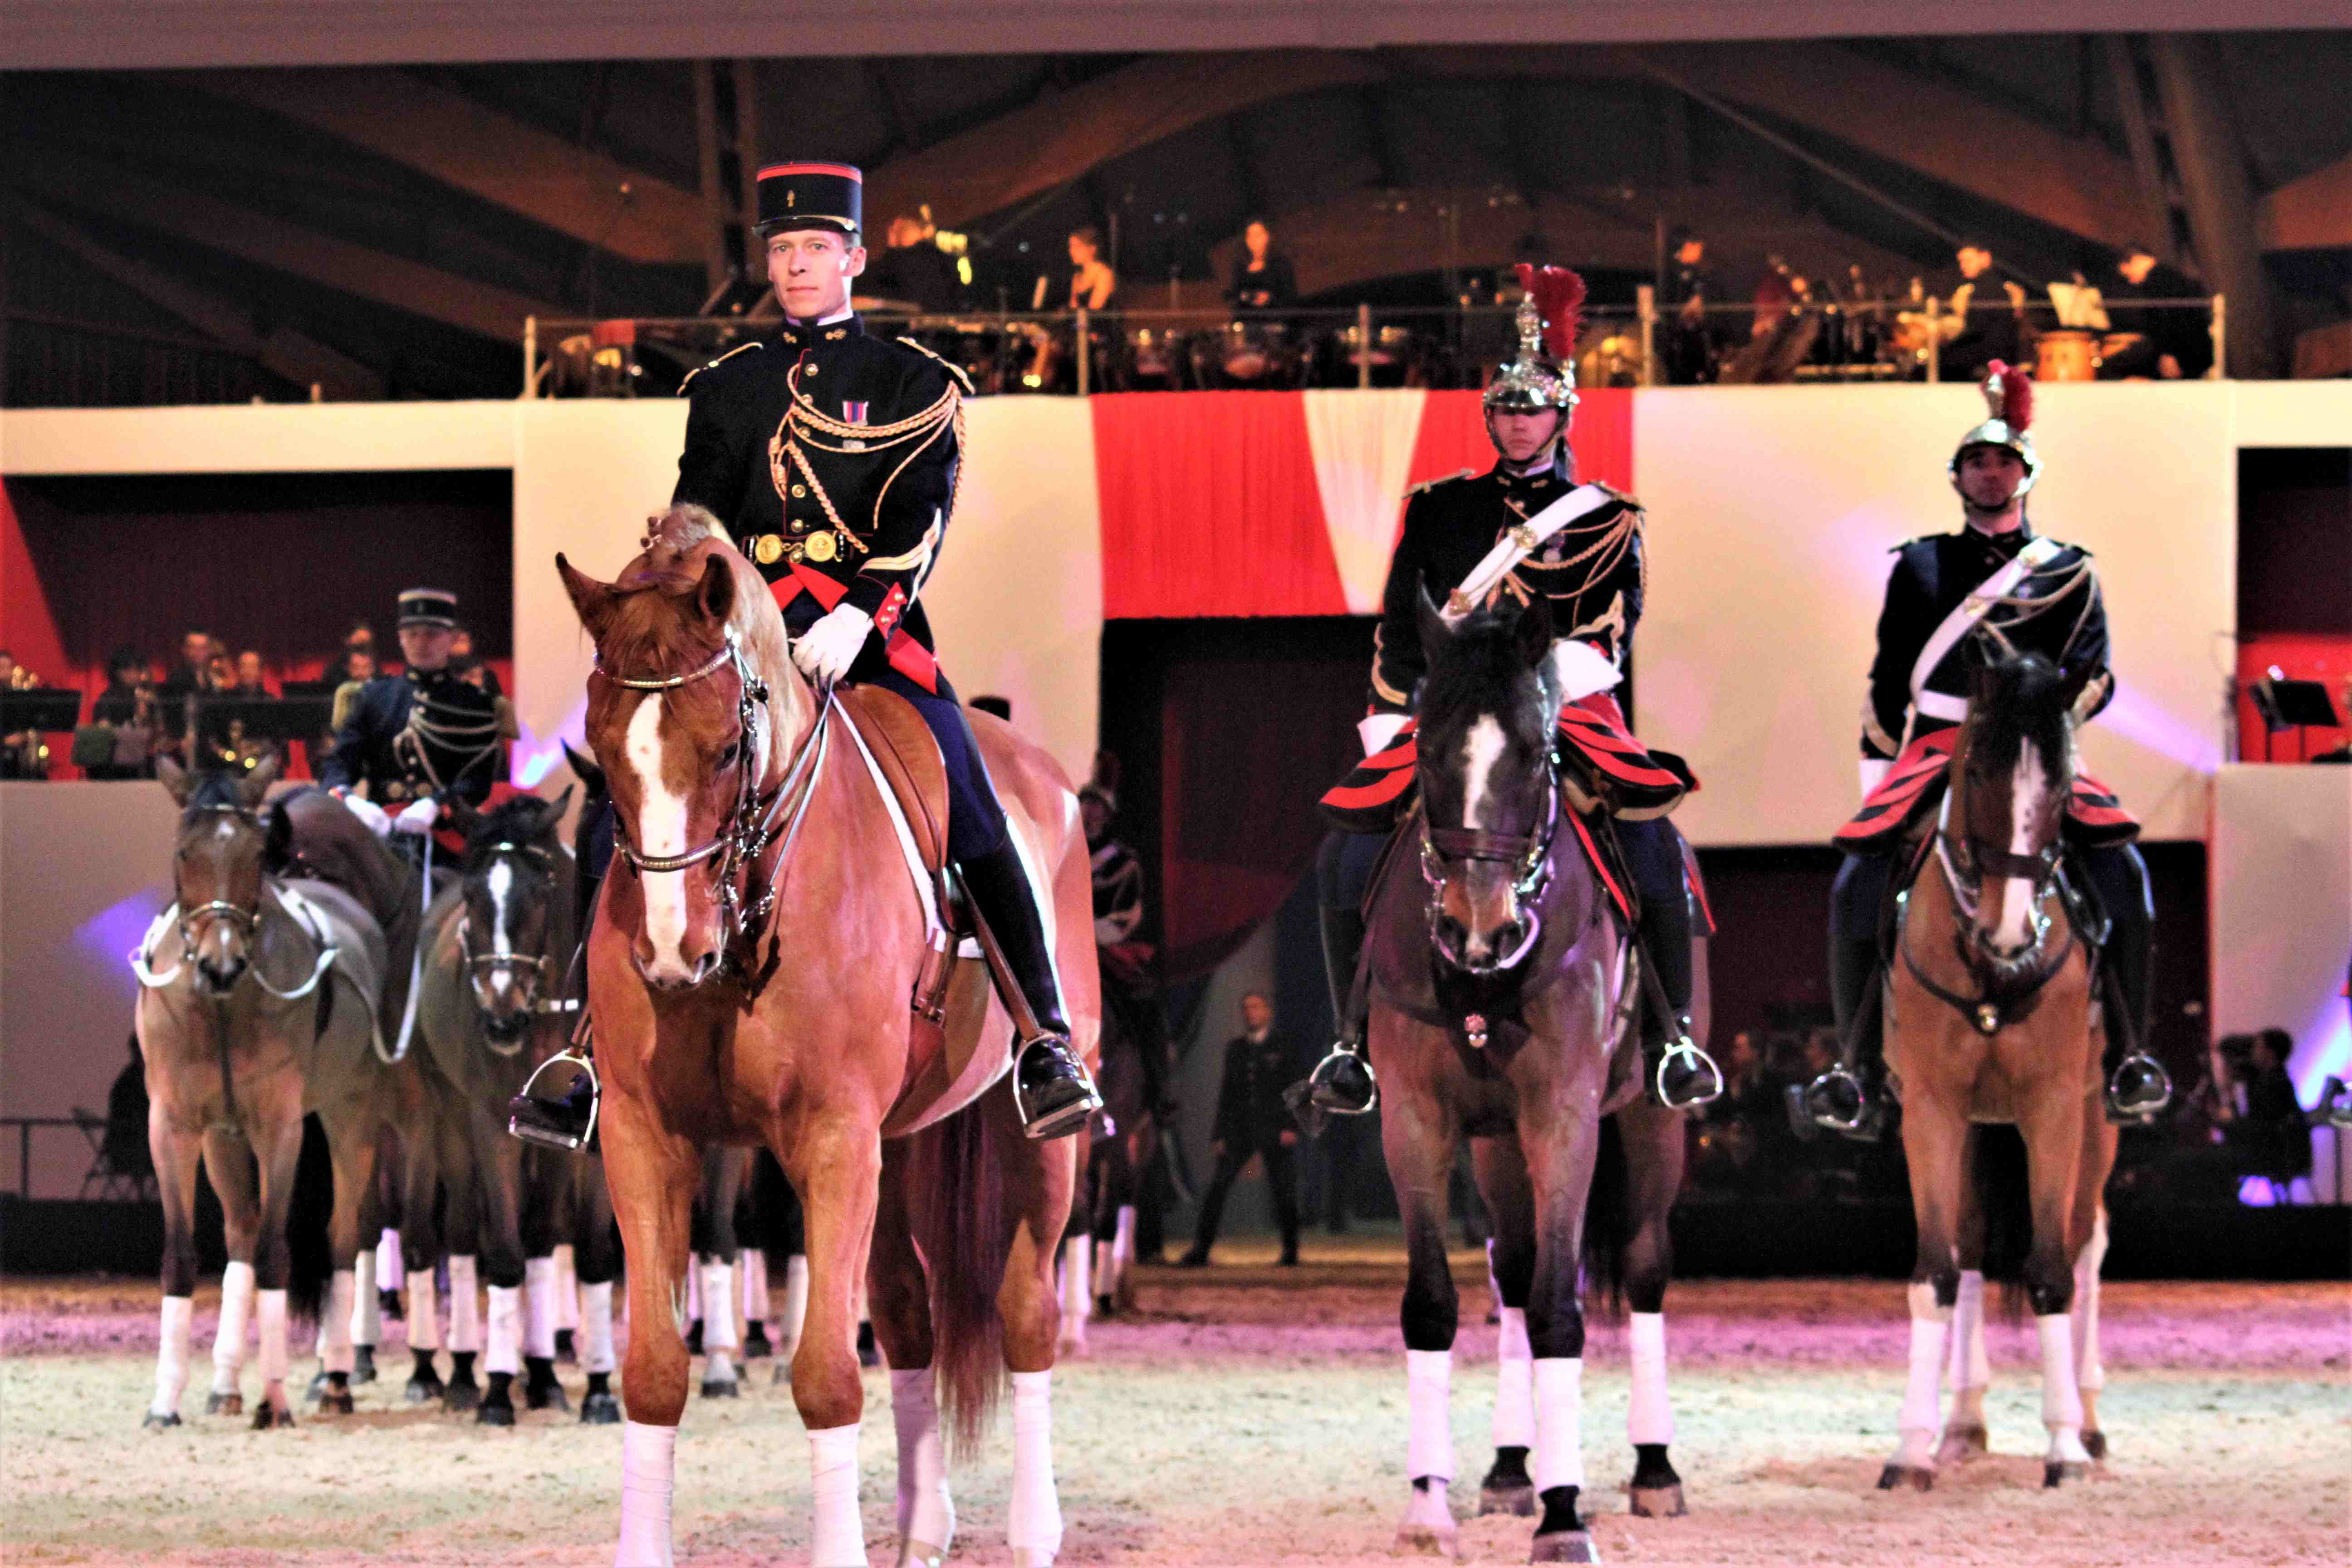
column 767, row 550
column 820, row 547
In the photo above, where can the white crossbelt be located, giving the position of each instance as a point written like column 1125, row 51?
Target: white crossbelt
column 1965, row 618
column 1521, row 541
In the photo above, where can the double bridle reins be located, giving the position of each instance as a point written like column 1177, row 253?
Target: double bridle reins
column 1530, row 852
column 246, row 921
column 751, row 827
column 1965, row 863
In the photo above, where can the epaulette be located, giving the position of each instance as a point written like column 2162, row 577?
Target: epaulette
column 1923, row 539
column 1441, row 479
column 963, row 377
column 722, row 359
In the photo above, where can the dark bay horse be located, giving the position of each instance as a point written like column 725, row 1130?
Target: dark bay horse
column 1990, row 1019
column 1502, row 991
column 256, row 1007
column 722, row 1020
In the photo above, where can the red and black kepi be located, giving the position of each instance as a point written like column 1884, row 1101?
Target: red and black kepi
column 812, row 195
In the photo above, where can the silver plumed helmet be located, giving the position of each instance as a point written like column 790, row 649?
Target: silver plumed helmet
column 1543, row 376
column 2009, row 395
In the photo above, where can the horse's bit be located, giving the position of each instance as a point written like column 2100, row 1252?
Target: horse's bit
column 245, row 922
column 1530, row 852
column 1985, row 1012
column 538, row 963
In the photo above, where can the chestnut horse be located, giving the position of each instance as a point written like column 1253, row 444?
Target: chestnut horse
column 1501, row 990
column 1990, row 1019
column 722, row 1018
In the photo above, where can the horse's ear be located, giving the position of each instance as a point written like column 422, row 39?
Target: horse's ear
column 277, row 839
column 174, row 778
column 1533, row 632
column 1436, row 631
column 714, row 597
column 256, row 784
column 584, row 770
column 463, row 816
column 591, row 600
column 552, row 811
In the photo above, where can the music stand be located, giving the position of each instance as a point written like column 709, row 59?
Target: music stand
column 265, row 718
column 2298, row 705
column 323, row 690
column 51, row 710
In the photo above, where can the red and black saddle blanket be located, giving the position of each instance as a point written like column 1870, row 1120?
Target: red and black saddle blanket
column 1915, row 784
column 1606, row 770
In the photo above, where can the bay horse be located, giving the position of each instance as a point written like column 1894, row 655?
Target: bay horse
column 1501, row 993
column 497, row 944
column 750, row 971
column 1990, row 1019
column 257, row 1006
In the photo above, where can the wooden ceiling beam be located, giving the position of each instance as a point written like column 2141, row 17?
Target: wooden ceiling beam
column 593, row 198
column 2314, row 213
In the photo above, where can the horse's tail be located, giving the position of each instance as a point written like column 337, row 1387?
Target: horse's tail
column 2004, row 1196
column 958, row 1205
column 308, row 1217
column 1608, row 1224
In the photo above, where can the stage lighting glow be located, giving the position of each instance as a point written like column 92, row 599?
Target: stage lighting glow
column 2323, row 1049
column 2144, row 723
column 533, row 759
column 108, row 936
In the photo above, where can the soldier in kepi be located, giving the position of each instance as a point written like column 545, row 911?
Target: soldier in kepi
column 1473, row 540
column 831, row 456
column 1995, row 578
column 413, row 741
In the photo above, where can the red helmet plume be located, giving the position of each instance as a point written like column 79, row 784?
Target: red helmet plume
column 1558, row 294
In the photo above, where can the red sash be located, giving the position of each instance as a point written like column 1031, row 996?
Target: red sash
column 1916, row 780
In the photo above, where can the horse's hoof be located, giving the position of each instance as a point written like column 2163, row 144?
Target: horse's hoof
column 1519, row 1501
column 1961, row 1444
column 1031, row 1557
column 563, row 1346
column 755, row 1342
column 494, row 1413
column 920, row 1555
column 721, row 1388
column 421, row 1389
column 363, row 1364
column 317, row 1387
column 869, row 1354
column 224, row 1404
column 694, row 1337
column 551, row 1397
column 336, row 1402
column 1423, row 1540
column 270, row 1415
column 2095, row 1444
column 461, row 1397
column 1918, row 1478
column 160, row 1420
column 1657, row 1502
column 1565, row 1546
column 2055, row 1472
column 600, row 1410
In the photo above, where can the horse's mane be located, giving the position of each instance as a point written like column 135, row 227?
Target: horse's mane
column 523, row 819
column 2024, row 703
column 1478, row 665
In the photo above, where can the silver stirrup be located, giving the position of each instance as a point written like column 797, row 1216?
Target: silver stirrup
column 570, row 1056
column 1830, row 1119
column 1684, row 1046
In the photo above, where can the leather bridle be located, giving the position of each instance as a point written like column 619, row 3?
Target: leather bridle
column 537, row 964
column 1965, row 863
column 1530, row 853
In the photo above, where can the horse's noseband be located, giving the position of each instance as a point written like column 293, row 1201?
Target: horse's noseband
column 1530, row 852
column 535, row 963
column 245, row 922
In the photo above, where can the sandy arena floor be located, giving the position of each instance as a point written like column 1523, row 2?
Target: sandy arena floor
column 1245, row 1415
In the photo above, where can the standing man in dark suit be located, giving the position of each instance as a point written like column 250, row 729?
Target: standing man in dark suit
column 1252, row 1120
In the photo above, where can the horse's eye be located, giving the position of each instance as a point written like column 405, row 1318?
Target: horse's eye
column 734, row 749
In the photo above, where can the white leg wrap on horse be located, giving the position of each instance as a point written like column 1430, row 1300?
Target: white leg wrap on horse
column 228, row 1339
column 1429, row 1427
column 1078, row 1289
column 269, row 1311
column 718, row 1332
column 567, row 1286
column 171, row 1355
column 465, row 1306
column 793, row 1314
column 596, row 1328
column 755, row 1286
column 335, row 1321
column 541, row 1319
column 694, row 1292
column 1969, row 1367
column 839, row 1537
column 1651, row 1417
column 925, row 1511
column 1515, row 1382
column 1921, row 1421
column 367, row 1312
column 2062, row 1399
column 1034, row 1519
column 648, row 1468
column 1559, row 1458
column 505, row 1347
column 2089, row 1374
column 1106, row 1267
column 1122, row 1241
column 390, row 1270
column 424, row 1312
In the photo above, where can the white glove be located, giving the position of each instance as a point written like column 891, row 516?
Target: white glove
column 827, row 650
column 418, row 816
column 1873, row 770
column 1379, row 731
column 367, row 811
column 1582, row 668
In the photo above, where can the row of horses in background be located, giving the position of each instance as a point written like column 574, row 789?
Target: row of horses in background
column 305, row 969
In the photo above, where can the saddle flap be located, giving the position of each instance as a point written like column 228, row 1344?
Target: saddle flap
column 909, row 760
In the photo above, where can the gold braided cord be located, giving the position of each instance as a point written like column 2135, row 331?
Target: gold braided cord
column 805, row 425
column 2030, row 605
column 1615, row 540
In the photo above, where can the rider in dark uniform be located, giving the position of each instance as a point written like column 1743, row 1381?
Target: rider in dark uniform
column 2053, row 608
column 424, row 734
column 1593, row 573
column 831, row 456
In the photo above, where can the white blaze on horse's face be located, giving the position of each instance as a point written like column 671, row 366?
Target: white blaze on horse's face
column 661, row 830
column 2028, row 788
column 1481, row 752
column 500, row 883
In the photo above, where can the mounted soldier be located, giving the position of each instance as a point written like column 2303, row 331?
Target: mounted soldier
column 1522, row 531
column 1995, row 579
column 832, row 458
column 413, row 741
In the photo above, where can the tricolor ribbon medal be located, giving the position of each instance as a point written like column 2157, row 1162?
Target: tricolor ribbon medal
column 853, row 414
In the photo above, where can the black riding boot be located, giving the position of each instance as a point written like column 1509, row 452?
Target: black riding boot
column 1342, row 1082
column 1680, row 1074
column 1846, row 1098
column 2137, row 1087
column 1050, row 1085
column 565, row 1121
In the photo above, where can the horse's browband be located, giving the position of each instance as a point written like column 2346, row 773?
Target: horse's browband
column 666, row 682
